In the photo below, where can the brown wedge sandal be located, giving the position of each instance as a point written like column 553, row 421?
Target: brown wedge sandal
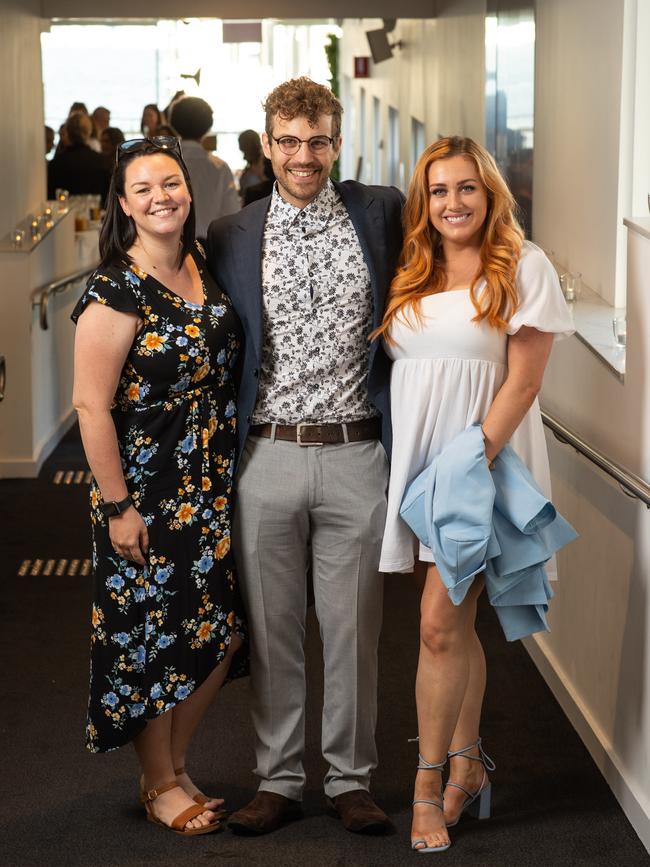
column 202, row 799
column 180, row 821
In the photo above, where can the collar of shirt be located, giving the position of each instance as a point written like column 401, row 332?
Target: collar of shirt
column 314, row 217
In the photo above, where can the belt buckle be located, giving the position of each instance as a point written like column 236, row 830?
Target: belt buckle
column 298, row 434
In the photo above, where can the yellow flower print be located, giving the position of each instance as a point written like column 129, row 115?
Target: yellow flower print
column 220, row 503
column 192, row 331
column 223, row 546
column 97, row 616
column 133, row 392
column 154, row 341
column 201, row 373
column 231, row 618
column 94, row 499
column 206, row 484
column 212, row 425
column 186, row 512
column 205, row 630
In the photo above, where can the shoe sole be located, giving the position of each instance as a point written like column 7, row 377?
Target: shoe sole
column 242, row 830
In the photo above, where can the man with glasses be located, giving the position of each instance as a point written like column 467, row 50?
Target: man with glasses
column 307, row 270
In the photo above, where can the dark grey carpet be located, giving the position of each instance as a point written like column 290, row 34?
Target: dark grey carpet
column 63, row 806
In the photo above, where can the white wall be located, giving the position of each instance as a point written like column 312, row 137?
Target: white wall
column 434, row 78
column 22, row 138
column 579, row 60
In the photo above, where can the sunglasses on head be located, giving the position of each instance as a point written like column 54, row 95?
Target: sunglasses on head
column 162, row 142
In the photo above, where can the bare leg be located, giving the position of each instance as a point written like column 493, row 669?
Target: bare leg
column 162, row 745
column 465, row 772
column 187, row 715
column 441, row 683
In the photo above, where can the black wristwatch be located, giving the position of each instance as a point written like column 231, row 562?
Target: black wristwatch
column 110, row 510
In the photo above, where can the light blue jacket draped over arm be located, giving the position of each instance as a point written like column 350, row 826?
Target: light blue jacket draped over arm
column 495, row 521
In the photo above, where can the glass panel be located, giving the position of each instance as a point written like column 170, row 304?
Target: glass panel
column 510, row 99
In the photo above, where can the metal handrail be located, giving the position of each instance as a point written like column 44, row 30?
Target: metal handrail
column 632, row 485
column 3, row 377
column 41, row 296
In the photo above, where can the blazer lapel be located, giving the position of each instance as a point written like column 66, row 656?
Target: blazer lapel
column 246, row 238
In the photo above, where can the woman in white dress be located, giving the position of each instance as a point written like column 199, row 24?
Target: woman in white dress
column 471, row 317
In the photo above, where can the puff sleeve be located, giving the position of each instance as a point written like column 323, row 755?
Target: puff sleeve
column 541, row 302
column 112, row 287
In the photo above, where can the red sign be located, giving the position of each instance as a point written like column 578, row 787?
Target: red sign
column 362, row 67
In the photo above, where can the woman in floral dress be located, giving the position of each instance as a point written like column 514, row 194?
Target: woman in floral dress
column 155, row 349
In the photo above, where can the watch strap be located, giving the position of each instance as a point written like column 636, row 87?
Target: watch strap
column 113, row 507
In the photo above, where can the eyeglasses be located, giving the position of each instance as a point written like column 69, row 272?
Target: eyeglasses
column 133, row 145
column 290, row 145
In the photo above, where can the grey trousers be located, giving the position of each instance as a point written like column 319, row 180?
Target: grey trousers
column 334, row 498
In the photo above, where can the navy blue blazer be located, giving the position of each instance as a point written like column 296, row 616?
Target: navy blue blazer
column 234, row 252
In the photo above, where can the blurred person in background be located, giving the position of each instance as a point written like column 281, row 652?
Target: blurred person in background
column 77, row 168
column 49, row 139
column 250, row 145
column 110, row 139
column 151, row 120
column 215, row 193
column 101, row 118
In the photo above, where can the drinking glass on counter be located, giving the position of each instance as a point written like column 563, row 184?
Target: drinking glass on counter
column 619, row 324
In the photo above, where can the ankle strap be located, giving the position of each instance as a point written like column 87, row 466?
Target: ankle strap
column 423, row 764
column 152, row 794
column 482, row 757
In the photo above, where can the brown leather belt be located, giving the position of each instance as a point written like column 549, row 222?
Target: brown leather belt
column 321, row 434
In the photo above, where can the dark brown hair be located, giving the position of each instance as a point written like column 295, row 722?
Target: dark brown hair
column 302, row 97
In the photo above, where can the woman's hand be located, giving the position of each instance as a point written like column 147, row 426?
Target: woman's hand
column 129, row 536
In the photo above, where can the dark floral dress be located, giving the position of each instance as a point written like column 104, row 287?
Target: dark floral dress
column 159, row 631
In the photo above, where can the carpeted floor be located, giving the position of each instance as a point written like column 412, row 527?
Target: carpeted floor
column 63, row 806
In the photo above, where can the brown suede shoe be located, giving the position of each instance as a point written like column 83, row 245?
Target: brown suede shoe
column 266, row 812
column 359, row 813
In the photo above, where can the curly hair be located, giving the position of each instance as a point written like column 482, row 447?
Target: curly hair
column 302, row 97
column 421, row 268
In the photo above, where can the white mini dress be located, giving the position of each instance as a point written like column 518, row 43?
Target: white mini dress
column 446, row 373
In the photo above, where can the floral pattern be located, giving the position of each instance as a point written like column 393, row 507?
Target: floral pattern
column 158, row 631
column 317, row 315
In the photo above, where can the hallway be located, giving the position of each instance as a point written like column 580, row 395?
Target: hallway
column 63, row 806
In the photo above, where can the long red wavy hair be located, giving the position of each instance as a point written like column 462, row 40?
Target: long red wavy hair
column 421, row 268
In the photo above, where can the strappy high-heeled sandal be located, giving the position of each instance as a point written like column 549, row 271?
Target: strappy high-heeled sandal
column 179, row 822
column 423, row 765
column 202, row 799
column 478, row 803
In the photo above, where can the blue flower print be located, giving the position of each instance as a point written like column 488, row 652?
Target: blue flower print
column 130, row 572
column 131, row 278
column 144, row 455
column 161, row 576
column 193, row 351
column 125, row 689
column 188, row 444
column 155, row 691
column 221, row 357
column 116, row 582
column 182, row 383
column 136, row 709
column 181, row 341
column 205, row 563
column 121, row 638
column 207, row 513
column 181, row 692
column 139, row 594
column 110, row 699
column 138, row 655
column 164, row 641
column 230, row 409
column 218, row 309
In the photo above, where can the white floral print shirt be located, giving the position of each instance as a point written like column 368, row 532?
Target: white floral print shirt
column 317, row 314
